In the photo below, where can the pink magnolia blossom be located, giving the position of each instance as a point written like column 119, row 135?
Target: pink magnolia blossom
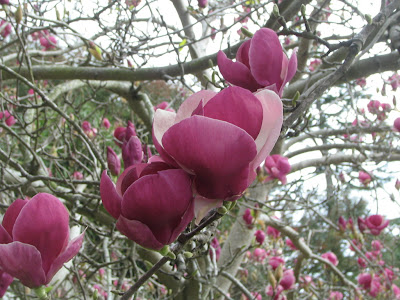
column 342, row 224
column 220, row 138
column 275, row 261
column 361, row 224
column 106, row 123
column 132, row 152
column 260, row 236
column 362, row 263
column 259, row 254
column 272, row 232
column 290, row 244
column 247, row 217
column 217, row 248
column 77, row 175
column 314, row 64
column 335, row 295
column 48, row 42
column 123, row 134
column 276, row 292
column 34, row 240
column 375, row 287
column 260, row 63
column 202, row 3
column 255, row 296
column 9, row 119
column 152, row 203
column 288, row 280
column 397, row 184
column 374, row 106
column 277, row 167
column 394, row 81
column 376, row 223
column 5, row 28
column 331, row 257
column 102, row 272
column 4, row 2
column 396, row 124
column 364, row 280
column 386, row 107
column 396, row 291
column 361, row 81
column 5, row 281
column 113, row 162
column 377, row 245
column 364, row 177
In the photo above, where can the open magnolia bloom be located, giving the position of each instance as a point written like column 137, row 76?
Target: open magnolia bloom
column 220, row 138
column 34, row 240
column 152, row 203
column 260, row 63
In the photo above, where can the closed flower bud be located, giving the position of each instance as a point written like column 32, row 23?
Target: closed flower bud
column 113, row 162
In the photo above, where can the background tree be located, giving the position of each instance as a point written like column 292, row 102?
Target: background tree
column 73, row 72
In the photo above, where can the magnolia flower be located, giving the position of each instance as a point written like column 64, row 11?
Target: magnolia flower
column 260, row 63
column 275, row 261
column 376, row 223
column 272, row 232
column 364, row 178
column 152, row 203
column 396, row 124
column 123, row 134
column 4, row 2
column 260, row 236
column 5, row 281
column 220, row 138
column 9, row 119
column 113, row 162
column 288, row 280
column 5, row 28
column 290, row 244
column 77, row 175
column 247, row 217
column 277, row 167
column 361, row 82
column 106, row 123
column 48, row 42
column 34, row 240
column 331, row 257
column 216, row 248
column 335, row 295
column 314, row 64
column 374, row 106
column 202, row 3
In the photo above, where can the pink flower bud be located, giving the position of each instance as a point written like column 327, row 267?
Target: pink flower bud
column 396, row 124
column 123, row 134
column 247, row 217
column 217, row 248
column 277, row 167
column 163, row 105
column 377, row 245
column 397, row 184
column 4, row 2
column 275, row 261
column 202, row 3
column 386, row 107
column 362, row 263
column 394, row 81
column 361, row 224
column 260, row 236
column 9, row 119
column 6, row 30
column 342, row 224
column 331, row 257
column 259, row 254
column 252, row 71
column 113, row 162
column 288, row 280
column 364, row 280
column 77, row 175
column 361, row 82
column 364, row 178
column 48, row 42
column 86, row 126
column 290, row 244
column 314, row 64
column 132, row 152
column 273, row 233
column 34, row 242
column 335, row 295
column 374, row 106
column 106, row 123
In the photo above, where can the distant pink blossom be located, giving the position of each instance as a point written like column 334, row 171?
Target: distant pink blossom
column 9, row 119
column 48, row 42
column 396, row 124
column 376, row 223
column 394, row 81
column 361, row 81
column 362, row 262
column 275, row 261
column 217, row 248
column 5, row 30
column 259, row 254
column 202, row 3
column 335, row 295
column 260, row 236
column 106, row 123
column 364, row 178
column 374, row 106
column 314, row 64
column 331, row 257
column 272, row 232
column 247, row 217
column 288, row 280
column 163, row 105
column 77, row 175
column 277, row 167
column 290, row 244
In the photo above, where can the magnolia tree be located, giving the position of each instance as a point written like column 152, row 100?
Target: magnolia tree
column 199, row 149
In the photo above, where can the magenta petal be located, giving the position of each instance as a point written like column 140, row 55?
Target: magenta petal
column 43, row 223
column 5, row 281
column 24, row 262
column 70, row 251
column 217, row 152
column 271, row 127
column 190, row 104
column 109, row 196
column 242, row 54
column 266, row 57
column 292, row 68
column 5, row 238
column 12, row 213
column 138, row 232
column 236, row 73
column 159, row 201
column 237, row 106
column 132, row 152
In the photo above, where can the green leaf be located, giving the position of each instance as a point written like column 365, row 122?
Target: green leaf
column 181, row 44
